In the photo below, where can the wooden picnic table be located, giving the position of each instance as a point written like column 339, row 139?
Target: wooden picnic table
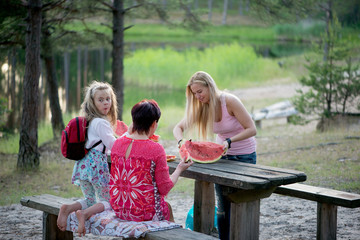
column 245, row 185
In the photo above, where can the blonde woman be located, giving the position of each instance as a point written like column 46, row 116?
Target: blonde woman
column 210, row 111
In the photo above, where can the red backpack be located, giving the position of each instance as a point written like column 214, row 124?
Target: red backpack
column 73, row 139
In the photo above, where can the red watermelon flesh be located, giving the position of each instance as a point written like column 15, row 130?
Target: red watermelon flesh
column 170, row 158
column 184, row 154
column 154, row 137
column 204, row 152
column 121, row 128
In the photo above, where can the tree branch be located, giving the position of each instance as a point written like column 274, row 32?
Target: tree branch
column 128, row 27
column 132, row 7
column 107, row 5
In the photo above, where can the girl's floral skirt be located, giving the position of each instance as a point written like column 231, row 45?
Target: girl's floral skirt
column 93, row 168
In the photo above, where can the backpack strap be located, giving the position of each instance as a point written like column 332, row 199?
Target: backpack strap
column 96, row 144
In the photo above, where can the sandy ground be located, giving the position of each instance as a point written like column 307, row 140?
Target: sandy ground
column 281, row 217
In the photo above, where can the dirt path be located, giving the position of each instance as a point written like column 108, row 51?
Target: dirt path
column 267, row 92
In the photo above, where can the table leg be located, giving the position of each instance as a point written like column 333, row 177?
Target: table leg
column 326, row 221
column 245, row 212
column 50, row 229
column 245, row 220
column 204, row 207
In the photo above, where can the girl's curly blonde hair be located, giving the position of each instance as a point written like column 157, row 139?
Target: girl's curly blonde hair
column 88, row 108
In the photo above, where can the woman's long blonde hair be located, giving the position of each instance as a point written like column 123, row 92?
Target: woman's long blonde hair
column 88, row 108
column 201, row 116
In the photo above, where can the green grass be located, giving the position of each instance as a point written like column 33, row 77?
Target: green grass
column 231, row 65
column 10, row 143
column 209, row 34
column 53, row 176
column 254, row 34
column 329, row 160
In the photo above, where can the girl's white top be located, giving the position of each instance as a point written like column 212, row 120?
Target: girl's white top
column 100, row 129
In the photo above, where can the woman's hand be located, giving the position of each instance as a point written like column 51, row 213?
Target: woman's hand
column 181, row 142
column 226, row 147
column 184, row 165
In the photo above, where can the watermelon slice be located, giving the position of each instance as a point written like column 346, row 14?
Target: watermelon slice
column 121, row 128
column 184, row 154
column 154, row 137
column 170, row 158
column 204, row 152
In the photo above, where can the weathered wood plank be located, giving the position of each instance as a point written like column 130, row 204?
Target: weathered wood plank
column 204, row 207
column 240, row 175
column 244, row 220
column 277, row 106
column 177, row 234
column 318, row 194
column 301, row 176
column 45, row 202
column 51, row 204
column 326, row 221
column 51, row 231
column 276, row 178
column 198, row 172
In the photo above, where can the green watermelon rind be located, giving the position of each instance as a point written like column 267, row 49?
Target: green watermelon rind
column 205, row 161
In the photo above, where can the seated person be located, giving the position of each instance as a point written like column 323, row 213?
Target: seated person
column 139, row 174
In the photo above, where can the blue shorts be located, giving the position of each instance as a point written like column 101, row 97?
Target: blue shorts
column 245, row 158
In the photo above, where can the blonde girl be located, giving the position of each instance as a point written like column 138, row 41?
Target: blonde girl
column 92, row 172
column 210, row 111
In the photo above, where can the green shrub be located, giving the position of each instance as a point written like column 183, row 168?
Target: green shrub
column 231, row 66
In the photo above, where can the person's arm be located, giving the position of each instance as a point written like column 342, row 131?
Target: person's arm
column 166, row 182
column 182, row 166
column 105, row 133
column 179, row 130
column 238, row 110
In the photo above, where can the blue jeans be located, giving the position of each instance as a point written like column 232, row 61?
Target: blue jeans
column 223, row 204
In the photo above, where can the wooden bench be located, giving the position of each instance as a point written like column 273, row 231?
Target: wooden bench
column 327, row 202
column 278, row 110
column 50, row 205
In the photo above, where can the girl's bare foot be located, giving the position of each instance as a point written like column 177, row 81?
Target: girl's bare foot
column 63, row 215
column 81, row 218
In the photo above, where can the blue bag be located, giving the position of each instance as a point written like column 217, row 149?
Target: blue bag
column 189, row 222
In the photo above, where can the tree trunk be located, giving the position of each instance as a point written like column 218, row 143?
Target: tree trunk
column 11, row 122
column 210, row 3
column 56, row 114
column 28, row 147
column 85, row 66
column 52, row 85
column 247, row 8
column 224, row 16
column 66, row 79
column 101, row 65
column 118, row 54
column 78, row 82
column 41, row 94
column 329, row 21
column 241, row 12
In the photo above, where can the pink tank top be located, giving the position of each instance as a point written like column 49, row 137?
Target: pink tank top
column 229, row 126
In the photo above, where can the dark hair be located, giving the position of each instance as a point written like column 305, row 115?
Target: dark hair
column 144, row 113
